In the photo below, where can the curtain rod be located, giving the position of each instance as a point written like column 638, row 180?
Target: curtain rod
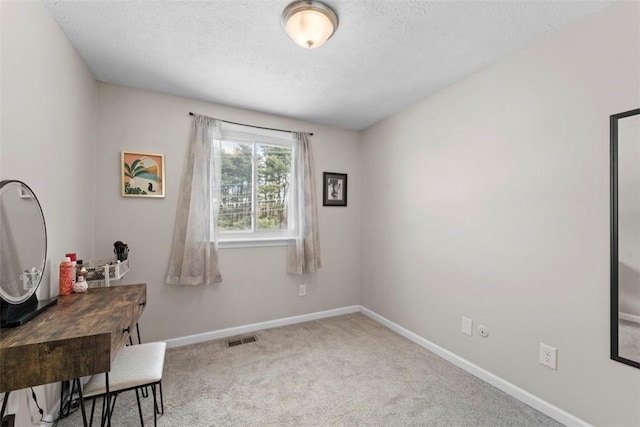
column 257, row 127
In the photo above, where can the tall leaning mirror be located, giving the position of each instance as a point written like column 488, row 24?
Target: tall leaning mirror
column 625, row 237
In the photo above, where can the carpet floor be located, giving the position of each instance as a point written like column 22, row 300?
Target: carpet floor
column 629, row 340
column 341, row 371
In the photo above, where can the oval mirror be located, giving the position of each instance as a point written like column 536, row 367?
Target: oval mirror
column 23, row 250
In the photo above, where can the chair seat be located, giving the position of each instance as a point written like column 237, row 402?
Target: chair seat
column 133, row 366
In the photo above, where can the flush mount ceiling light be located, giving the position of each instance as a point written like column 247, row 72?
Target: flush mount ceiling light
column 309, row 23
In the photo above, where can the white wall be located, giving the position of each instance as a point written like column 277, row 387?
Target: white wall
column 256, row 287
column 491, row 200
column 488, row 200
column 48, row 139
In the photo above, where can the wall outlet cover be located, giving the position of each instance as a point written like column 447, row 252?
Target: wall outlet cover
column 548, row 356
column 467, row 326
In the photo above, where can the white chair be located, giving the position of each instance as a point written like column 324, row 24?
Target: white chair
column 134, row 367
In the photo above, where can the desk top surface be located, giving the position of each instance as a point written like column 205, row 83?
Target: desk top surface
column 75, row 337
column 74, row 315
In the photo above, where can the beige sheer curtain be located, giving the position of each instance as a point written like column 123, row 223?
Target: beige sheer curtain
column 194, row 253
column 304, row 251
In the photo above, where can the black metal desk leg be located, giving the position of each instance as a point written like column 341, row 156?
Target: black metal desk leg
column 4, row 405
column 84, row 413
column 61, row 412
column 108, row 397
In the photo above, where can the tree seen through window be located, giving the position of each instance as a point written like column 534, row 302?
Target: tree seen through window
column 271, row 167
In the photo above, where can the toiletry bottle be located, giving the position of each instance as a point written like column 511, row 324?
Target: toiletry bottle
column 80, row 286
column 74, row 258
column 79, row 268
column 66, row 276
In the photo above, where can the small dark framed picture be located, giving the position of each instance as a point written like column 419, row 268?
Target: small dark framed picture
column 334, row 189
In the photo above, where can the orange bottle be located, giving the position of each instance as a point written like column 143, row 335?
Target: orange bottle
column 66, row 276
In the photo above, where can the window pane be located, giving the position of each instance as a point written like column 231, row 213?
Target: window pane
column 235, row 190
column 274, row 167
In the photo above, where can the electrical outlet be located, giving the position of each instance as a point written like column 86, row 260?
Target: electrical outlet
column 483, row 331
column 548, row 356
column 467, row 326
column 302, row 290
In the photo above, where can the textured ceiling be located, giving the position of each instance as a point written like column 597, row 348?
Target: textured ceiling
column 386, row 54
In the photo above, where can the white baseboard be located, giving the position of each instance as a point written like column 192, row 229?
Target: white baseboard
column 501, row 384
column 240, row 330
column 629, row 317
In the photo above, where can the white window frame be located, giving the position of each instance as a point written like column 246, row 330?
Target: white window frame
column 255, row 238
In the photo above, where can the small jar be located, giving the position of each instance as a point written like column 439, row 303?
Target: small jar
column 80, row 286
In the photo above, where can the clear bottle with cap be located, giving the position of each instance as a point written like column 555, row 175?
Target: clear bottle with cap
column 66, row 276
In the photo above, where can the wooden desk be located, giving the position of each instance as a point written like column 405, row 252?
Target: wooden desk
column 77, row 337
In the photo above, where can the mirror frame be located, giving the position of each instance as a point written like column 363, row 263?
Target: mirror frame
column 31, row 195
column 613, row 127
column 14, row 314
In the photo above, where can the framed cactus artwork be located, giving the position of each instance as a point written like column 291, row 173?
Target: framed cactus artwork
column 142, row 174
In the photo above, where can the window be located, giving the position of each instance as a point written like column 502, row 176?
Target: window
column 256, row 172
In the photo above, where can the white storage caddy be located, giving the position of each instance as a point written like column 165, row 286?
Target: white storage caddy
column 101, row 272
